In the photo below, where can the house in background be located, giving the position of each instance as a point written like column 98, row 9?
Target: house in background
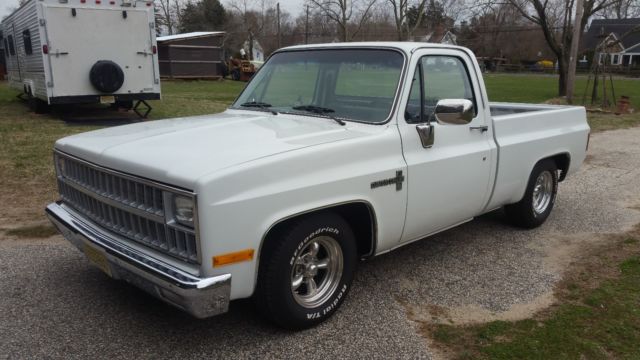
column 195, row 55
column 439, row 35
column 615, row 41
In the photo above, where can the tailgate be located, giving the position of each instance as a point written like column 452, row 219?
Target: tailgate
column 80, row 37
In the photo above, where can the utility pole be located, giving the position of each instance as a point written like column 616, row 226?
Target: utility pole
column 306, row 27
column 278, row 15
column 573, row 56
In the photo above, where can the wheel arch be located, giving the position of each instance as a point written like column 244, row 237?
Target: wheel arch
column 359, row 214
column 562, row 161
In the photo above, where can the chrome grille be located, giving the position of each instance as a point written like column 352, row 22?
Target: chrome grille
column 125, row 206
column 128, row 192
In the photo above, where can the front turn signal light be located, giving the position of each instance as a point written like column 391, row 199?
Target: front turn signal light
column 232, row 258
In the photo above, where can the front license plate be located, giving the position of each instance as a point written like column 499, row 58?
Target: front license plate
column 97, row 258
column 107, row 99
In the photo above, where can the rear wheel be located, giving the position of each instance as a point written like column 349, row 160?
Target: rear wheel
column 306, row 271
column 539, row 198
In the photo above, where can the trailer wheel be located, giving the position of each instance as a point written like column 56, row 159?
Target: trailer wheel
column 539, row 198
column 306, row 271
column 106, row 76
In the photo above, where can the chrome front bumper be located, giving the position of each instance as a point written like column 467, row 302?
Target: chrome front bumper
column 200, row 297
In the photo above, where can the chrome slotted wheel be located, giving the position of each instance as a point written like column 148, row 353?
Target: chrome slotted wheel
column 317, row 271
column 542, row 192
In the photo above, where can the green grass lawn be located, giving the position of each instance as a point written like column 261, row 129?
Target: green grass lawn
column 184, row 98
column 539, row 88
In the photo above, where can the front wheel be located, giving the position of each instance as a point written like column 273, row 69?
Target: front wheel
column 306, row 271
column 539, row 197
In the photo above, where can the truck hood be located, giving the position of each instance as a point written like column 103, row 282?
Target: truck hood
column 180, row 151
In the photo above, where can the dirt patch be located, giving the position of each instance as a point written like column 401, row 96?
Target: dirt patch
column 576, row 259
column 561, row 254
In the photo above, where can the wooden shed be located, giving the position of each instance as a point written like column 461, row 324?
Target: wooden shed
column 195, row 55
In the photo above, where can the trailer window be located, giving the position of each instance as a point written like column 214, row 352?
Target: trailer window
column 26, row 38
column 12, row 48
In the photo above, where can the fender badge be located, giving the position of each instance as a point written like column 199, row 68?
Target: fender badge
column 398, row 180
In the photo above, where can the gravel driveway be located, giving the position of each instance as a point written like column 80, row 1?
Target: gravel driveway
column 53, row 304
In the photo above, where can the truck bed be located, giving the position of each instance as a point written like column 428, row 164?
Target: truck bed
column 525, row 133
column 503, row 108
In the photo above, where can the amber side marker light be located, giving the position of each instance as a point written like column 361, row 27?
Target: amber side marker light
column 232, row 258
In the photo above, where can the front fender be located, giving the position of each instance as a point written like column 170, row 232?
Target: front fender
column 237, row 207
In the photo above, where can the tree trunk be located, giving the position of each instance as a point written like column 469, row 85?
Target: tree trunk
column 563, row 69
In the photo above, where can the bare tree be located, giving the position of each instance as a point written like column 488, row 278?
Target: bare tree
column 554, row 17
column 622, row 9
column 252, row 14
column 167, row 15
column 344, row 12
column 400, row 9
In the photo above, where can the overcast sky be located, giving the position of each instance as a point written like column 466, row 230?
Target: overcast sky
column 294, row 7
column 6, row 6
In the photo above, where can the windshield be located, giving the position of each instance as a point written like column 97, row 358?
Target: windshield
column 349, row 84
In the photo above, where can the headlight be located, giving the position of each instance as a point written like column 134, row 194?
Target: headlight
column 183, row 210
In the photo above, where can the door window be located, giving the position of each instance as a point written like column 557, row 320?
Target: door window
column 443, row 77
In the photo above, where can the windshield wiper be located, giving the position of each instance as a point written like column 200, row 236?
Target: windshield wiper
column 321, row 111
column 261, row 105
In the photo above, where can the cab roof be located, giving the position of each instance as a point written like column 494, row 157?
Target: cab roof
column 405, row 46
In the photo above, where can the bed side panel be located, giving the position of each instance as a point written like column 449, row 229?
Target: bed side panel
column 526, row 138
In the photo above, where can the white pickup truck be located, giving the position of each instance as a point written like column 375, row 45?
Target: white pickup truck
column 331, row 154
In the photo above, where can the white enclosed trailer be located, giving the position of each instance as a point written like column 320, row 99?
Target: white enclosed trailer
column 83, row 51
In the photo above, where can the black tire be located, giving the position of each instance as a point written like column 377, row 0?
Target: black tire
column 275, row 295
column 106, row 76
column 235, row 74
column 524, row 213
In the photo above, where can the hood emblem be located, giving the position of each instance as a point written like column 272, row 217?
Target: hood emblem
column 398, row 180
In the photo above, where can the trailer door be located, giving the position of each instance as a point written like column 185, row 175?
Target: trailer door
column 13, row 58
column 80, row 37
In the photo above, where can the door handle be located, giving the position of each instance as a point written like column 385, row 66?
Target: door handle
column 481, row 128
column 59, row 53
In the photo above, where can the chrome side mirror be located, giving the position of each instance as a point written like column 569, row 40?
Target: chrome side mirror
column 454, row 111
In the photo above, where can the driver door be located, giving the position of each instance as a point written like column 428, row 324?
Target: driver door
column 448, row 181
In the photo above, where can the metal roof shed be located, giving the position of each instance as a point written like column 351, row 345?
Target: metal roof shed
column 195, row 55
